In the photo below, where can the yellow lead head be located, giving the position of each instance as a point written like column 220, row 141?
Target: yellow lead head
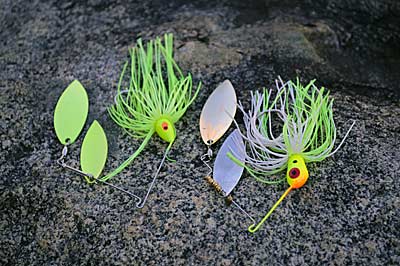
column 165, row 129
column 297, row 173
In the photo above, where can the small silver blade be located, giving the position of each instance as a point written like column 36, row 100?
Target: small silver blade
column 226, row 172
column 218, row 112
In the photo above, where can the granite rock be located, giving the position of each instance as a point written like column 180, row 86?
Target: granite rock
column 347, row 214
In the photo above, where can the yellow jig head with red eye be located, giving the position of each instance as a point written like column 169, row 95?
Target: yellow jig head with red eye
column 297, row 173
column 165, row 129
column 296, row 176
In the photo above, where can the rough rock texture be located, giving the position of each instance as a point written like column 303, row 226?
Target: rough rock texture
column 348, row 213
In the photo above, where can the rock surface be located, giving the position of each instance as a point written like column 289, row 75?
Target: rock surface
column 348, row 213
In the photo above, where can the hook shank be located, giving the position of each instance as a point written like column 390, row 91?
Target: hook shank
column 253, row 228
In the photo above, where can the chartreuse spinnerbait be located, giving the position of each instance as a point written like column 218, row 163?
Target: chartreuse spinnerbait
column 307, row 134
column 157, row 96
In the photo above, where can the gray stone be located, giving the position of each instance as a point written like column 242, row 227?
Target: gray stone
column 347, row 214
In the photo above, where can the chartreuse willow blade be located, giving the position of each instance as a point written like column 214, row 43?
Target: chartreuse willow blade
column 156, row 96
column 94, row 151
column 307, row 134
column 71, row 112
